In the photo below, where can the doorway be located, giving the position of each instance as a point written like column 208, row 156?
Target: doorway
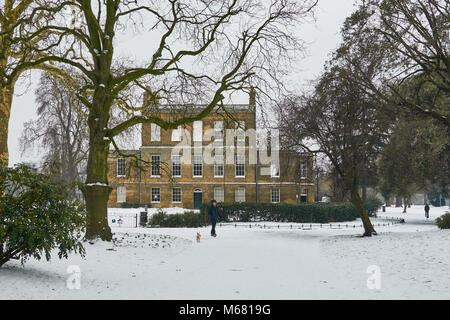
column 198, row 198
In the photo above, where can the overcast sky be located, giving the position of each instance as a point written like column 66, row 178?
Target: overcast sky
column 322, row 37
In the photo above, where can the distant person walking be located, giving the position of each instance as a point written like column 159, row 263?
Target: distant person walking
column 427, row 210
column 214, row 214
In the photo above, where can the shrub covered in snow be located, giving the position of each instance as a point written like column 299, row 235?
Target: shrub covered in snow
column 443, row 221
column 282, row 212
column 36, row 216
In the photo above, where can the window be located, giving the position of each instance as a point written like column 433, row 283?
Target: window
column 274, row 170
column 239, row 195
column 176, row 134
column 219, row 194
column 275, row 195
column 156, row 166
column 121, row 194
column 240, row 165
column 218, row 130
column 176, row 166
column 176, row 195
column 218, row 165
column 198, row 172
column 121, row 167
column 155, row 134
column 240, row 130
column 198, row 131
column 156, row 194
column 303, row 170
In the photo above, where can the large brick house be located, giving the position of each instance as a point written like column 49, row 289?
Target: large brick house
column 166, row 179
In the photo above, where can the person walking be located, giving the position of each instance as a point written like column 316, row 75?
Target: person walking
column 214, row 214
column 427, row 210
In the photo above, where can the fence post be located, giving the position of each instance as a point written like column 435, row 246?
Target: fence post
column 136, row 220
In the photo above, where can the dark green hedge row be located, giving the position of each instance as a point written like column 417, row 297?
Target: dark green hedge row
column 127, row 205
column 281, row 212
column 186, row 220
column 246, row 212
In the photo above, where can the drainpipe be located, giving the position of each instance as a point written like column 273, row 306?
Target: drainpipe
column 252, row 106
column 139, row 179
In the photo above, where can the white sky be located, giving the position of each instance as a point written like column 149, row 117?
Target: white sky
column 322, row 37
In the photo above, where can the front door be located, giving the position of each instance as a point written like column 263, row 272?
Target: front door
column 198, row 198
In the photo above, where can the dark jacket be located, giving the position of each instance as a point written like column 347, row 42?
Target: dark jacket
column 427, row 208
column 213, row 211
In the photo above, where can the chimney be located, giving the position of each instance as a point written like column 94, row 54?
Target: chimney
column 252, row 97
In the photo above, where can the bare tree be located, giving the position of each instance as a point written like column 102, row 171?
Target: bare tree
column 340, row 121
column 60, row 131
column 206, row 50
column 18, row 56
column 388, row 43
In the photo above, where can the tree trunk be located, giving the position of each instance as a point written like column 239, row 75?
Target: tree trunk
column 6, row 96
column 398, row 202
column 405, row 203
column 96, row 190
column 358, row 203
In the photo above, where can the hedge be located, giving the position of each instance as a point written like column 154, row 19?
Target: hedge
column 282, row 212
column 188, row 219
column 127, row 205
column 246, row 212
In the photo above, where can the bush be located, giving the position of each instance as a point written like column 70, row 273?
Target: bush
column 372, row 205
column 282, row 212
column 127, row 205
column 188, row 219
column 443, row 221
column 36, row 216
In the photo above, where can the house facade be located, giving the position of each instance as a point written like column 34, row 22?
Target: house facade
column 217, row 157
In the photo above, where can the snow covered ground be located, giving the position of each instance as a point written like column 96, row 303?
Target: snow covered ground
column 409, row 260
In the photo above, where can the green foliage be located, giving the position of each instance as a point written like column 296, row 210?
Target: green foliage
column 188, row 219
column 372, row 204
column 443, row 221
column 36, row 216
column 127, row 205
column 435, row 197
column 282, row 212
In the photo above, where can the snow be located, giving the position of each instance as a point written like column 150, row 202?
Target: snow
column 97, row 184
column 249, row 263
